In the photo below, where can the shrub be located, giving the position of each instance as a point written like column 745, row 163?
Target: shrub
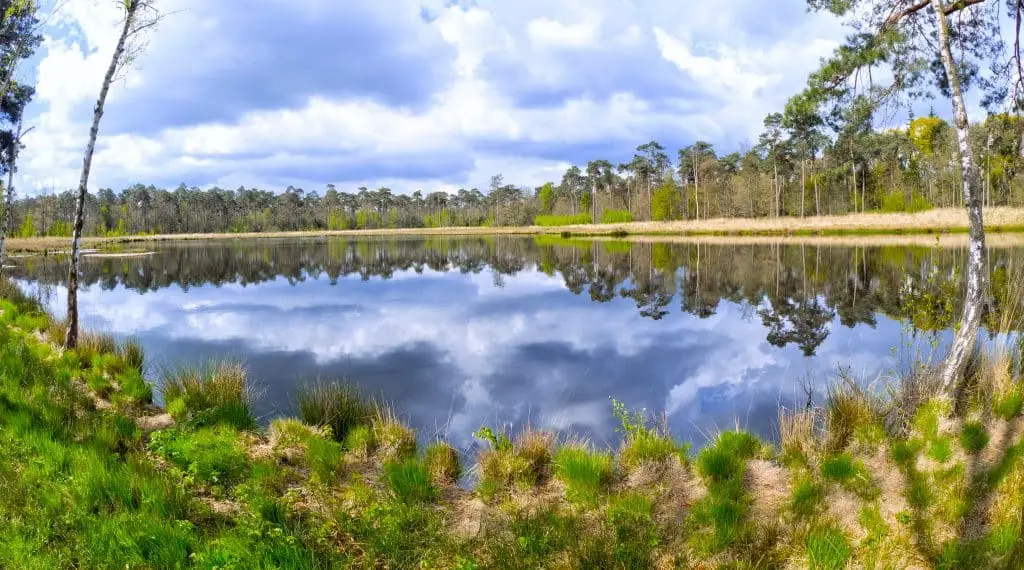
column 335, row 405
column 973, row 437
column 217, row 394
column 585, row 473
column 443, row 463
column 548, row 220
column 616, row 217
column 828, row 548
column 409, row 480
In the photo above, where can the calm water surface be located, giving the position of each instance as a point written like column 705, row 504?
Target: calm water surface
column 457, row 333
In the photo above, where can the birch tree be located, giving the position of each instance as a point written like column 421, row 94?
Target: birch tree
column 915, row 40
column 139, row 15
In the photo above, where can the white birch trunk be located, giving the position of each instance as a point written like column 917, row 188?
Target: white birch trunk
column 71, row 340
column 966, row 337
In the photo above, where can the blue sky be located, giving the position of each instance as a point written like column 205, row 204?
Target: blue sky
column 412, row 94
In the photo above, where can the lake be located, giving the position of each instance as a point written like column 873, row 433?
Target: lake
column 458, row 333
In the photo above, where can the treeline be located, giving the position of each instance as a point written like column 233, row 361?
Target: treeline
column 798, row 292
column 788, row 173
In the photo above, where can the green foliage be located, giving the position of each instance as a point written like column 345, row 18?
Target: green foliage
column 828, row 548
column 549, row 220
column 585, row 473
column 210, row 395
column 896, row 202
column 324, row 459
column 212, row 455
column 335, row 405
column 616, row 217
column 409, row 480
column 133, row 355
column 666, row 203
column 973, row 436
column 546, row 197
column 840, row 468
column 28, row 227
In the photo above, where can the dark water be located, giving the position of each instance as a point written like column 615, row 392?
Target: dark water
column 463, row 332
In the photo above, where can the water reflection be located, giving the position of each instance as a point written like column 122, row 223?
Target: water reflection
column 462, row 332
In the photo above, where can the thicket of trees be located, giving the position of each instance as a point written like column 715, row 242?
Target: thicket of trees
column 788, row 173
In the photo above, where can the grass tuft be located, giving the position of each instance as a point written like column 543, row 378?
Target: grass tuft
column 443, row 463
column 643, row 441
column 211, row 395
column 409, row 480
column 395, row 440
column 828, row 548
column 334, row 405
column 585, row 473
column 973, row 436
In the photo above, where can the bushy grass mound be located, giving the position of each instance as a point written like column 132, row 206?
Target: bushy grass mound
column 334, row 405
column 585, row 473
column 213, row 394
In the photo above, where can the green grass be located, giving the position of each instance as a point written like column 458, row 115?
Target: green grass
column 548, row 220
column 324, row 459
column 644, row 441
column 631, row 518
column 616, row 217
column 940, row 449
column 443, row 463
column 806, row 498
column 720, row 519
column 409, row 480
column 361, row 441
column 211, row 395
column 212, row 455
column 1008, row 404
column 828, row 548
column 973, row 436
column 585, row 473
column 335, row 405
column 133, row 355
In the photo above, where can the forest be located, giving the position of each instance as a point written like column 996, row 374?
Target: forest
column 789, row 172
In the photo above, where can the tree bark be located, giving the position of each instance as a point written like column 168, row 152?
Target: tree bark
column 966, row 337
column 71, row 340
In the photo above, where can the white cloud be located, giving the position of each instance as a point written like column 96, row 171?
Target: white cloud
column 733, row 79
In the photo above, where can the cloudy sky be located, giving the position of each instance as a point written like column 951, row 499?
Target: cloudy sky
column 409, row 93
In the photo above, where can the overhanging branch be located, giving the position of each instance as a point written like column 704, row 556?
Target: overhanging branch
column 948, row 9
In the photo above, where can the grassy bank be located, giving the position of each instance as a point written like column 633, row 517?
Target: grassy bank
column 946, row 220
column 95, row 476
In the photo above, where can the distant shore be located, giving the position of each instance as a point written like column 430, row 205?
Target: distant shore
column 932, row 222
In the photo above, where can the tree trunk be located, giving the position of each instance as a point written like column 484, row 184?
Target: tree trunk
column 817, row 195
column 966, row 336
column 71, row 340
column 803, row 187
column 696, row 189
column 5, row 228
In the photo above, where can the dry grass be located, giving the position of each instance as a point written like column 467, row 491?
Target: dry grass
column 938, row 220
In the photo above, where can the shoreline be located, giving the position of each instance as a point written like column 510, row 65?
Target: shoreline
column 939, row 222
column 199, row 482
